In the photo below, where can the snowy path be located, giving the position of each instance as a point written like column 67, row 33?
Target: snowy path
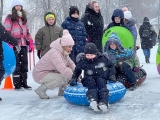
column 141, row 104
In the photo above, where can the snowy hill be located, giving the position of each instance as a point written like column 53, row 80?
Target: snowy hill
column 141, row 104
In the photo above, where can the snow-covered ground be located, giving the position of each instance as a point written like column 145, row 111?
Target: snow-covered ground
column 141, row 104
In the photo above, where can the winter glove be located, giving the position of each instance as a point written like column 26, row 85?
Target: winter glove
column 39, row 54
column 17, row 48
column 31, row 47
column 112, row 78
column 136, row 69
column 120, row 62
column 137, row 47
column 72, row 82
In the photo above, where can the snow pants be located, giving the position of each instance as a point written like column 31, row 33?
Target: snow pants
column 20, row 74
column 53, row 80
column 2, row 71
column 97, row 89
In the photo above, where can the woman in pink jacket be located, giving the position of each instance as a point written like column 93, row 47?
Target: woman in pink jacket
column 55, row 68
column 16, row 25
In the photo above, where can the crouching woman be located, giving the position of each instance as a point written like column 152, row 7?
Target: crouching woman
column 55, row 68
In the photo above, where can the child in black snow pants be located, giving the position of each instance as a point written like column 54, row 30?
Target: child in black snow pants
column 6, row 37
column 97, row 70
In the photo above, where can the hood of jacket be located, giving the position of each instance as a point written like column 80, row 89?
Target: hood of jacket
column 118, row 13
column 49, row 11
column 131, row 22
column 113, row 38
column 56, row 45
column 146, row 21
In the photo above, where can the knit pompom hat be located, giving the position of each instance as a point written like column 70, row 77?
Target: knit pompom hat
column 17, row 2
column 127, row 15
column 66, row 39
column 90, row 48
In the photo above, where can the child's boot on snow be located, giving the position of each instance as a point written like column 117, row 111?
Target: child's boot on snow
column 103, row 99
column 94, row 105
column 103, row 107
column 93, row 98
column 41, row 91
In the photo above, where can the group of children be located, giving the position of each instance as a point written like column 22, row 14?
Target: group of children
column 98, row 68
column 55, row 68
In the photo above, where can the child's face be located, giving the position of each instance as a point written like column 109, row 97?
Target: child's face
column 90, row 56
column 18, row 7
column 50, row 21
column 117, row 19
column 113, row 46
column 75, row 15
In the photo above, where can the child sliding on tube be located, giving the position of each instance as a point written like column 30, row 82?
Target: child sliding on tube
column 97, row 70
column 122, row 58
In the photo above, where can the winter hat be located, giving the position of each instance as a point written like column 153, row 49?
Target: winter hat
column 113, row 38
column 90, row 48
column 145, row 19
column 66, row 39
column 17, row 2
column 50, row 15
column 127, row 15
column 73, row 9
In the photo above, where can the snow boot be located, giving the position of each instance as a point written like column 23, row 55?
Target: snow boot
column 147, row 60
column 133, row 87
column 0, row 99
column 92, row 96
column 41, row 91
column 94, row 105
column 18, row 88
column 26, row 87
column 103, row 107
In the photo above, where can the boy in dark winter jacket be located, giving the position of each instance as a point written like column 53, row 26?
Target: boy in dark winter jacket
column 6, row 37
column 77, row 30
column 124, row 59
column 97, row 70
column 117, row 19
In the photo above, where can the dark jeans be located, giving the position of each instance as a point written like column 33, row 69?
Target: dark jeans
column 127, row 71
column 146, row 53
column 20, row 74
column 97, row 89
column 2, row 71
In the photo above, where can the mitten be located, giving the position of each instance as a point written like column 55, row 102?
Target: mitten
column 136, row 69
column 39, row 54
column 137, row 47
column 17, row 48
column 112, row 78
column 72, row 82
column 31, row 47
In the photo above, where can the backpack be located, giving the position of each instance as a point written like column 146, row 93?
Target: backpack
column 146, row 32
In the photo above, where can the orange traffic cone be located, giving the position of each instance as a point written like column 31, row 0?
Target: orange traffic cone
column 8, row 84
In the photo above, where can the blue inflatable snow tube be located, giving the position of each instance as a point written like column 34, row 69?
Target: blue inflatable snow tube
column 77, row 94
column 9, row 61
